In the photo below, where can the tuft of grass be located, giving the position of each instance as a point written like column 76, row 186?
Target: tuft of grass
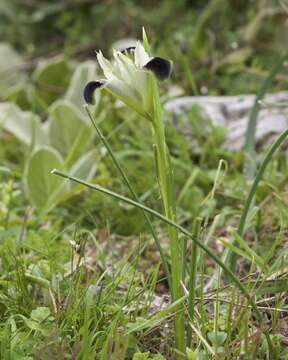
column 267, row 158
column 231, row 275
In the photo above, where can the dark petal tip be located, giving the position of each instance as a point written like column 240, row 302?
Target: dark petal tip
column 89, row 90
column 128, row 49
column 161, row 68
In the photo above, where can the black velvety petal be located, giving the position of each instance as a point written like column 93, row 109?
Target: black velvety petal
column 161, row 68
column 128, row 49
column 90, row 88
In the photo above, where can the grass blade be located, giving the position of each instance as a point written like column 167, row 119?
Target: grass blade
column 252, row 122
column 193, row 277
column 273, row 148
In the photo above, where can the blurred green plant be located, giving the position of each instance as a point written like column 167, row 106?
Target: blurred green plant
column 62, row 140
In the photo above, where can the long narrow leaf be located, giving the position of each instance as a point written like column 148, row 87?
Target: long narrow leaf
column 252, row 123
column 273, row 148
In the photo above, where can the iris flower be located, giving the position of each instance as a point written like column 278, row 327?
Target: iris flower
column 128, row 77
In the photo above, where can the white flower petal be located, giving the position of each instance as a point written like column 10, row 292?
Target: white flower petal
column 123, row 58
column 141, row 56
column 140, row 83
column 124, row 92
column 105, row 65
column 121, row 69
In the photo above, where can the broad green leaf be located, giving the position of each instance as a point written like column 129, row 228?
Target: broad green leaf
column 40, row 314
column 83, row 73
column 21, row 96
column 24, row 125
column 192, row 355
column 10, row 69
column 217, row 338
column 5, row 170
column 51, row 79
column 43, row 188
column 86, row 166
column 33, row 325
column 68, row 131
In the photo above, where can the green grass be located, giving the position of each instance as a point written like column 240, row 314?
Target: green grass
column 120, row 319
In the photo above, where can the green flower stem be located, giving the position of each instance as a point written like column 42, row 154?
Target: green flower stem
column 165, row 181
column 180, row 228
column 132, row 191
